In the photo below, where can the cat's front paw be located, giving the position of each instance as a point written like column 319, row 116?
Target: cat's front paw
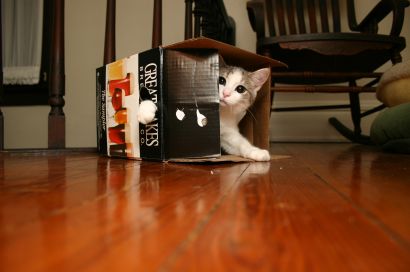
column 259, row 155
column 146, row 112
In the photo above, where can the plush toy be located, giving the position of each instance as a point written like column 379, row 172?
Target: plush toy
column 394, row 85
column 391, row 128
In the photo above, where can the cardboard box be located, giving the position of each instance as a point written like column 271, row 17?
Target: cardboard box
column 181, row 79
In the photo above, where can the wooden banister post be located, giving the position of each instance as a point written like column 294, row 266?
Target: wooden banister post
column 1, row 86
column 188, row 19
column 197, row 18
column 109, row 43
column 157, row 24
column 56, row 118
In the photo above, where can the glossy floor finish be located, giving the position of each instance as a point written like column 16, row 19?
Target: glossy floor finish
column 329, row 207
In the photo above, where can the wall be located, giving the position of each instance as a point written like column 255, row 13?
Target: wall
column 26, row 127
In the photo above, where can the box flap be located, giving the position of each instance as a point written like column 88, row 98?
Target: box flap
column 232, row 55
column 223, row 158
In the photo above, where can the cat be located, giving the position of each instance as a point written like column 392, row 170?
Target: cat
column 237, row 91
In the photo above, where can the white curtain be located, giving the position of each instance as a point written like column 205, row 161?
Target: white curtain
column 22, row 36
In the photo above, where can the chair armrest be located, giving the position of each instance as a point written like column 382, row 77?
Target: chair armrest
column 377, row 14
column 256, row 17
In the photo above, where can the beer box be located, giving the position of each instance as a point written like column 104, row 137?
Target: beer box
column 182, row 80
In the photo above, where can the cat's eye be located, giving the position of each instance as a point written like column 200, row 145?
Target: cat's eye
column 222, row 81
column 240, row 89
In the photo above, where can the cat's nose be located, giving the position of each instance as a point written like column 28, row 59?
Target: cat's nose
column 226, row 93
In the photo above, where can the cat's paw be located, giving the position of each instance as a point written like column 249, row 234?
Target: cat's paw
column 259, row 155
column 146, row 112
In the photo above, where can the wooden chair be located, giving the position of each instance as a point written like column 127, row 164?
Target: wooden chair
column 210, row 19
column 307, row 35
column 202, row 18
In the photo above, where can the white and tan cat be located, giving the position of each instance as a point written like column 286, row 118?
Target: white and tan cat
column 237, row 92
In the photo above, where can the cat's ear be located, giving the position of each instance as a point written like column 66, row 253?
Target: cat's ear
column 259, row 77
column 222, row 62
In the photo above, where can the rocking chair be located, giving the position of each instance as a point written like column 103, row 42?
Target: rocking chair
column 320, row 55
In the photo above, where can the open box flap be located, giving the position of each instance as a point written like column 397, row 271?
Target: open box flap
column 232, row 55
column 223, row 158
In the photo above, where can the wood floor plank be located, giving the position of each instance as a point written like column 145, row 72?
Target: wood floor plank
column 52, row 184
column 134, row 228
column 289, row 220
column 377, row 182
column 329, row 207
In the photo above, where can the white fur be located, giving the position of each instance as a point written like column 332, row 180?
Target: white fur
column 146, row 112
column 233, row 109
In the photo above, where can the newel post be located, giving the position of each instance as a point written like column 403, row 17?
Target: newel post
column 56, row 117
column 1, row 86
column 109, row 43
column 157, row 24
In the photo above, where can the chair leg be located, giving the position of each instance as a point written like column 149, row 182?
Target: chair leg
column 272, row 97
column 355, row 113
column 354, row 135
column 348, row 133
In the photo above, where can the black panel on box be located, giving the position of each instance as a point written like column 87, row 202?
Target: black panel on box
column 191, row 87
column 101, row 110
column 150, row 77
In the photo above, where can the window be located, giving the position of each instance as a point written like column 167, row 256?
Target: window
column 25, row 73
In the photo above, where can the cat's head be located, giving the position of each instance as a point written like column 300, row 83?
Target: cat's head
column 238, row 87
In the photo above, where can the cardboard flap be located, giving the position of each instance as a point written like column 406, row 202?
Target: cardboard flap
column 231, row 54
column 224, row 159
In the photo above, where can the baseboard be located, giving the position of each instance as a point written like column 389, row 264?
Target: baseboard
column 313, row 126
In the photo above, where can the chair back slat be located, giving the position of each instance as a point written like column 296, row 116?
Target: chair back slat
column 269, row 15
column 312, row 16
column 280, row 13
column 323, row 15
column 290, row 10
column 336, row 15
column 302, row 16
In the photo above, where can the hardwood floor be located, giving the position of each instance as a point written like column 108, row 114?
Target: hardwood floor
column 329, row 207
